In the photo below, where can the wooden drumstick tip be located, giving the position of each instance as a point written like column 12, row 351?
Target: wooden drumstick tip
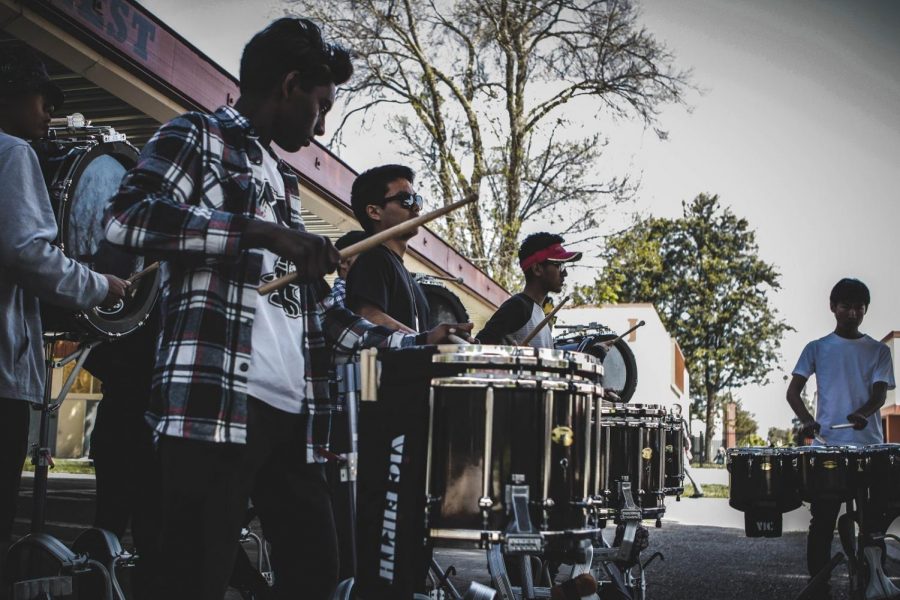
column 140, row 275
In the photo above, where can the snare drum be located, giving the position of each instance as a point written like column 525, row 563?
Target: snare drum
column 632, row 444
column 620, row 366
column 454, row 429
column 82, row 176
column 829, row 472
column 763, row 479
column 527, row 424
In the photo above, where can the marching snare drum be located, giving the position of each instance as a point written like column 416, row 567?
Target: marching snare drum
column 453, row 430
column 82, row 176
column 526, row 424
column 619, row 364
column 632, row 444
column 829, row 472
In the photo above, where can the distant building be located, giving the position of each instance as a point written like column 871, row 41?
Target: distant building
column 662, row 373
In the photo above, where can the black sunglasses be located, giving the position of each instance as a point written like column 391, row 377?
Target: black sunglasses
column 406, row 200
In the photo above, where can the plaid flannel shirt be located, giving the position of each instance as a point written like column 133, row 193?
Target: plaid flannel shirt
column 339, row 291
column 188, row 201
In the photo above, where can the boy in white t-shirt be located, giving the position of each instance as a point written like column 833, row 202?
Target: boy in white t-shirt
column 853, row 373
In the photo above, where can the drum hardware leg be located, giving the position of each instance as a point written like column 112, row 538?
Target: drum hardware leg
column 40, row 451
column 879, row 587
column 442, row 579
column 821, row 578
column 698, row 491
column 497, row 571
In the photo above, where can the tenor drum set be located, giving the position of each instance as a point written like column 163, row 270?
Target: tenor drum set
column 515, row 451
column 765, row 483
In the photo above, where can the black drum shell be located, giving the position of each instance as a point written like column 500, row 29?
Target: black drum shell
column 882, row 474
column 633, row 444
column 674, row 471
column 518, row 446
column 763, row 479
column 829, row 472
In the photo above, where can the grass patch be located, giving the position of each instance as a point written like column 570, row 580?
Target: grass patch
column 710, row 490
column 66, row 465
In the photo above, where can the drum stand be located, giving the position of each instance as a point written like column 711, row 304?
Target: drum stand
column 863, row 552
column 868, row 580
column 39, row 566
column 523, row 543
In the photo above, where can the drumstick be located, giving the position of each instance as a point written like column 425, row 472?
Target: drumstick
column 139, row 275
column 842, row 426
column 546, row 320
column 375, row 240
column 613, row 341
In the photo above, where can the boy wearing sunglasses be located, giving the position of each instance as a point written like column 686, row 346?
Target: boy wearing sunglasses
column 379, row 287
column 543, row 260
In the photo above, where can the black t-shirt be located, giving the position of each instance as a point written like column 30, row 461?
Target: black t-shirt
column 513, row 315
column 379, row 278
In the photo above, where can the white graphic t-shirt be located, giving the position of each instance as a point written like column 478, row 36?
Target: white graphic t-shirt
column 276, row 374
column 845, row 371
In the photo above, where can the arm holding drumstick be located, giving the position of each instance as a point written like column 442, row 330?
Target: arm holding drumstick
column 543, row 323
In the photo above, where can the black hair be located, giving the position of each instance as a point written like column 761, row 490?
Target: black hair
column 292, row 44
column 850, row 291
column 350, row 238
column 535, row 243
column 370, row 188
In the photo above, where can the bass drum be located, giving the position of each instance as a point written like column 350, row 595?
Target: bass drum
column 619, row 364
column 82, row 176
column 444, row 305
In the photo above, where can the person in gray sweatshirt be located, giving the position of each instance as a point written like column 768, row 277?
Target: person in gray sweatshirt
column 32, row 268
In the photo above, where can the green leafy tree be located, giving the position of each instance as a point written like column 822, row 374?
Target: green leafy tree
column 703, row 274
column 745, row 424
column 479, row 93
column 780, row 437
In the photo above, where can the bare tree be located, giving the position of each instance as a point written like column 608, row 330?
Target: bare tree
column 504, row 98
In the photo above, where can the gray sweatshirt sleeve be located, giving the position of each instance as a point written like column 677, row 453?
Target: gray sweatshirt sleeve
column 27, row 231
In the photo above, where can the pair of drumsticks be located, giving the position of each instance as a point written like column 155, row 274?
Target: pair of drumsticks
column 352, row 250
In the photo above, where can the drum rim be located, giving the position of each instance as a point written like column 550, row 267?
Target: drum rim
column 65, row 180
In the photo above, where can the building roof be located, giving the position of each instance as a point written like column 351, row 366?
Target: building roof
column 134, row 39
column 891, row 335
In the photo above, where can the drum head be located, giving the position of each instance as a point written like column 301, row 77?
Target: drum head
column 443, row 304
column 619, row 365
column 82, row 177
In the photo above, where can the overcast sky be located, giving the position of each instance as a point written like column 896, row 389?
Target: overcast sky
column 798, row 130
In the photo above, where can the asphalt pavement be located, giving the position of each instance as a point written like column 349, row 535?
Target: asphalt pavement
column 706, row 554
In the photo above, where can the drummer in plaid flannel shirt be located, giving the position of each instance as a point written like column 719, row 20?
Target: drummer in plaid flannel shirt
column 240, row 394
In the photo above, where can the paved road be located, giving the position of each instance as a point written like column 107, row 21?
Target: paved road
column 700, row 561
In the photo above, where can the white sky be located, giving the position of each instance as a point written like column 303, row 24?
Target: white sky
column 798, row 130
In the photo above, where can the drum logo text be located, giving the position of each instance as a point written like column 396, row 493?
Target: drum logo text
column 389, row 525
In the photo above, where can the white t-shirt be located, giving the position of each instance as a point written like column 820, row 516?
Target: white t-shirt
column 277, row 373
column 845, row 371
